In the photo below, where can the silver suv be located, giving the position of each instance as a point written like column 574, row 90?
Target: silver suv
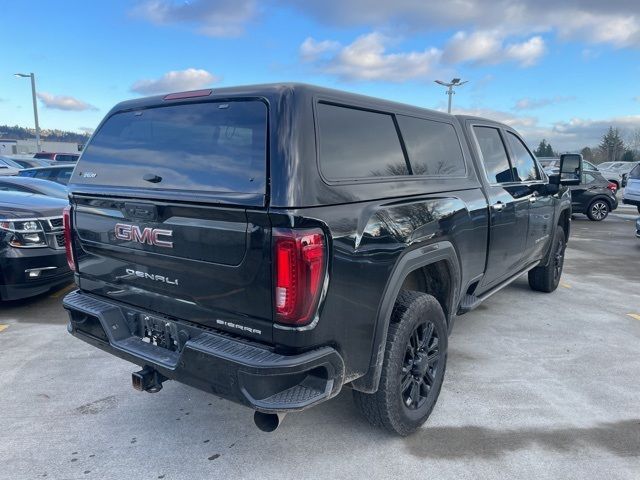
column 631, row 195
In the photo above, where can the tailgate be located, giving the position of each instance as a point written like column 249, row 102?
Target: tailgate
column 169, row 212
column 205, row 264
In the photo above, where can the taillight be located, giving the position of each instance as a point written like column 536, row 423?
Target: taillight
column 299, row 273
column 612, row 187
column 66, row 222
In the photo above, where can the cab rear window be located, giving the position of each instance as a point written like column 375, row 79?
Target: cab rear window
column 207, row 147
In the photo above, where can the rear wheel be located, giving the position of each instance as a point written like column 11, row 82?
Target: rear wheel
column 546, row 278
column 598, row 210
column 413, row 367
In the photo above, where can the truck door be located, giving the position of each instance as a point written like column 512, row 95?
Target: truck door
column 508, row 207
column 541, row 203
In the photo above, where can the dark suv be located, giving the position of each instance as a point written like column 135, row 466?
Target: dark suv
column 595, row 196
column 273, row 244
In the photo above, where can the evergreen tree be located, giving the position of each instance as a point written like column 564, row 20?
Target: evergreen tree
column 612, row 145
column 587, row 154
column 542, row 149
column 628, row 156
column 549, row 152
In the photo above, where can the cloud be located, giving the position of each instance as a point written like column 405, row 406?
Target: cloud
column 175, row 80
column 88, row 130
column 312, row 50
column 487, row 47
column 526, row 53
column 615, row 22
column 367, row 59
column 513, row 120
column 219, row 18
column 64, row 102
column 533, row 103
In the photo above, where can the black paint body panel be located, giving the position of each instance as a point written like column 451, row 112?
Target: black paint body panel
column 376, row 229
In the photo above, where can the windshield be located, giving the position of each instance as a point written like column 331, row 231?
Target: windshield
column 206, row 147
column 10, row 162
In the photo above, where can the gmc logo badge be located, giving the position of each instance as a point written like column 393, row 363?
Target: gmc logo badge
column 150, row 236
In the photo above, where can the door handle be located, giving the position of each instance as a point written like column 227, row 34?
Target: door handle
column 533, row 199
column 498, row 206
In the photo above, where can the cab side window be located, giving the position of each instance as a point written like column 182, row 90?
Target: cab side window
column 494, row 155
column 524, row 166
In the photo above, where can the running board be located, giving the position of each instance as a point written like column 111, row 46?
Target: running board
column 470, row 302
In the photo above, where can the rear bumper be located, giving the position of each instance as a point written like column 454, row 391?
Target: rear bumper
column 631, row 201
column 235, row 369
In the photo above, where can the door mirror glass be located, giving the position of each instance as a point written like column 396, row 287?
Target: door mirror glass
column 570, row 168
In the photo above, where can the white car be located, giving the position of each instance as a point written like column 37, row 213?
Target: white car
column 616, row 171
column 631, row 195
column 8, row 166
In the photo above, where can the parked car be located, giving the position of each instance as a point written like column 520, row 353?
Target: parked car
column 32, row 253
column 8, row 167
column 594, row 197
column 33, row 185
column 55, row 173
column 616, row 172
column 550, row 165
column 625, row 170
column 314, row 239
column 631, row 194
column 31, row 162
column 58, row 157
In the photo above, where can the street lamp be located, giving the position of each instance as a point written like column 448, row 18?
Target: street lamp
column 35, row 104
column 453, row 83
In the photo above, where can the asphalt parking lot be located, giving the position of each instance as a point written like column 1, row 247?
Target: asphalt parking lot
column 537, row 386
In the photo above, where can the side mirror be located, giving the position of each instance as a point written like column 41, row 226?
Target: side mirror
column 570, row 169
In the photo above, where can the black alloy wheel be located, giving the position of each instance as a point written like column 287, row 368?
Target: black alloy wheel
column 420, row 366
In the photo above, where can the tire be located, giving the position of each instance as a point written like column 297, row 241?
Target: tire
column 598, row 210
column 417, row 320
column 547, row 278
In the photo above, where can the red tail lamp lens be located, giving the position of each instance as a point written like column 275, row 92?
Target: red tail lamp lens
column 300, row 265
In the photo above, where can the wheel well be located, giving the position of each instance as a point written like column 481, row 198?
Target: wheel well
column 603, row 198
column 434, row 279
column 565, row 223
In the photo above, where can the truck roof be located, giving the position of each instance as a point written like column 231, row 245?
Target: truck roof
column 276, row 90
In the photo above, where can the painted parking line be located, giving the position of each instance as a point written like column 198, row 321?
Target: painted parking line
column 3, row 327
column 566, row 285
column 634, row 315
column 66, row 289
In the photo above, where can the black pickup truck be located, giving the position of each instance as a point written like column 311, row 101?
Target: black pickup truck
column 274, row 244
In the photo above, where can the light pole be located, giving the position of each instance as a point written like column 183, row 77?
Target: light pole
column 35, row 104
column 453, row 83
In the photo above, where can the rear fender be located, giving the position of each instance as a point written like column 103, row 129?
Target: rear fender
column 408, row 262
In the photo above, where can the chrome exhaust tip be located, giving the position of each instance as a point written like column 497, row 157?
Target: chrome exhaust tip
column 268, row 422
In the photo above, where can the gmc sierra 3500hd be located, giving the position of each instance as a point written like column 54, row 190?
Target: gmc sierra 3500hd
column 273, row 244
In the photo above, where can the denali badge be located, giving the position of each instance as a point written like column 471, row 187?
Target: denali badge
column 148, row 235
column 152, row 276
column 239, row 327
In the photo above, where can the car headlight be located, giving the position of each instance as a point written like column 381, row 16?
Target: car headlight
column 24, row 234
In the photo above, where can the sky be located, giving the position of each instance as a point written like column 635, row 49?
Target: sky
column 563, row 71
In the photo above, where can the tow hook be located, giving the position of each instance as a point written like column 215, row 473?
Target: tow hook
column 147, row 380
column 268, row 422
